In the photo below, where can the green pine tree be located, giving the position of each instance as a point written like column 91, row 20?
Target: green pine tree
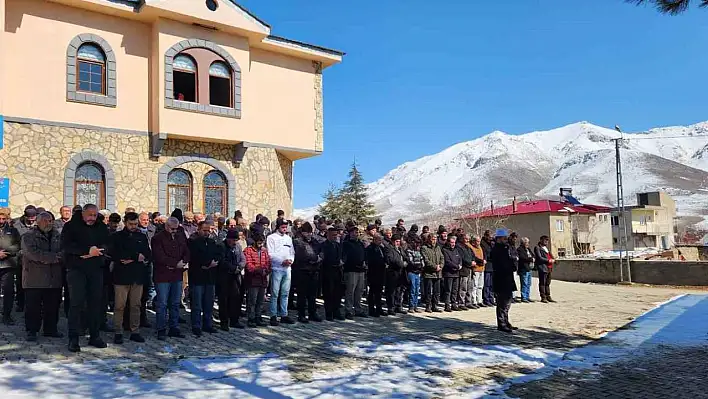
column 354, row 198
column 331, row 208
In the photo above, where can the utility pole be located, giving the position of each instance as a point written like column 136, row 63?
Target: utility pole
column 620, row 205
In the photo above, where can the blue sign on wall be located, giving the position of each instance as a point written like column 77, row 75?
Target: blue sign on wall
column 4, row 192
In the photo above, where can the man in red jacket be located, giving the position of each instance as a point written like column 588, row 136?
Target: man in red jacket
column 170, row 257
column 257, row 271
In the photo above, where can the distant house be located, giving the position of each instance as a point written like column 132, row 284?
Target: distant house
column 573, row 228
column 652, row 222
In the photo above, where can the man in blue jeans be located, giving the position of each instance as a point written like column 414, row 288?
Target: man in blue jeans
column 282, row 254
column 170, row 257
column 204, row 257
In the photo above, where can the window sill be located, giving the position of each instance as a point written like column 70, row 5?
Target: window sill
column 204, row 109
column 93, row 99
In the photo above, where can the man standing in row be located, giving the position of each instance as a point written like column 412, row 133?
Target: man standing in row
column 306, row 269
column 332, row 275
column 204, row 255
column 171, row 255
column 131, row 255
column 231, row 277
column 354, row 258
column 43, row 278
column 23, row 224
column 282, row 254
column 84, row 243
column 9, row 249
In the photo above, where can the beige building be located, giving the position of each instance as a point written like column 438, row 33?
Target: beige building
column 154, row 104
column 572, row 229
column 652, row 222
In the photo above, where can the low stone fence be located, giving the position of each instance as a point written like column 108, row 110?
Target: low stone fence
column 607, row 271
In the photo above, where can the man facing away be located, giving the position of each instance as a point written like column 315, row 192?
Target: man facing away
column 84, row 244
column 282, row 255
column 171, row 256
column 131, row 255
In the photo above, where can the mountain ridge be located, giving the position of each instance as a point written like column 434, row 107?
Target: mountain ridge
column 499, row 166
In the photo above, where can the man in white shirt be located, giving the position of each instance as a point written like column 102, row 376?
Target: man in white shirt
column 282, row 254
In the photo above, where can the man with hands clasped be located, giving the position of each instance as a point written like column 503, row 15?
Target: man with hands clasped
column 282, row 255
column 131, row 256
column 170, row 257
column 205, row 255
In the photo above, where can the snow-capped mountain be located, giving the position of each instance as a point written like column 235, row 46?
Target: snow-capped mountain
column 499, row 166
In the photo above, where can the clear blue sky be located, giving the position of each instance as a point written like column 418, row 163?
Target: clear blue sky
column 420, row 76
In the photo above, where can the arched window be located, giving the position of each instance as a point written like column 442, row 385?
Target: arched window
column 185, row 78
column 179, row 190
column 89, row 185
column 220, row 84
column 215, row 193
column 91, row 69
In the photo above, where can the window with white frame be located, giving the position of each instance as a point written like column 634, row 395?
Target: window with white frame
column 560, row 225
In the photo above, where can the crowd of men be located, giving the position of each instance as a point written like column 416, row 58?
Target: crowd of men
column 95, row 261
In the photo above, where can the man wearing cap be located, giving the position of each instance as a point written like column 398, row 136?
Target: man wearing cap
column 332, row 275
column 23, row 224
column 306, row 271
column 231, row 274
column 503, row 279
column 354, row 258
column 369, row 234
column 282, row 255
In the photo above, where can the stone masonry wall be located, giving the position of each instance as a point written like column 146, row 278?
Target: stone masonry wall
column 35, row 156
column 319, row 107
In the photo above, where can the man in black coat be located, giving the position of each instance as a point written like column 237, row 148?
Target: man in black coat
column 205, row 255
column 354, row 258
column 332, row 275
column 376, row 260
column 504, row 284
column 231, row 277
column 487, row 244
column 306, row 270
column 131, row 255
column 544, row 266
column 397, row 264
column 84, row 242
column 451, row 273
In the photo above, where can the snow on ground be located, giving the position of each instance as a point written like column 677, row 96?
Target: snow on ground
column 386, row 368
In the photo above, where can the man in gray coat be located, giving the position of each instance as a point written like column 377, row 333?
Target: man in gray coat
column 42, row 277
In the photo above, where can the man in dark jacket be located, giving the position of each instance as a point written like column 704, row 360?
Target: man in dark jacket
column 332, row 275
column 432, row 272
column 148, row 295
column 354, row 258
column 23, row 224
column 231, row 276
column 84, row 244
column 465, row 292
column 131, row 255
column 451, row 273
column 170, row 256
column 488, row 290
column 504, row 284
column 64, row 217
column 397, row 264
column 306, row 272
column 526, row 264
column 376, row 261
column 205, row 255
column 544, row 266
column 43, row 278
column 9, row 249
